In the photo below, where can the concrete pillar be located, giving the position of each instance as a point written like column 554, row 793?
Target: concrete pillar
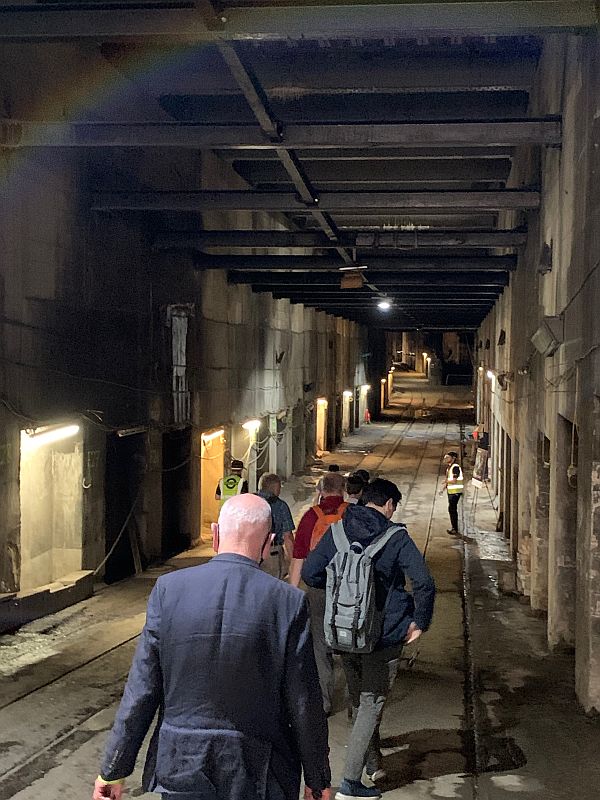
column 149, row 513
column 562, row 545
column 514, row 493
column 288, row 444
column 272, row 445
column 195, row 506
column 540, row 529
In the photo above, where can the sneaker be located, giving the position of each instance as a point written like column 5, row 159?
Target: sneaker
column 453, row 533
column 352, row 789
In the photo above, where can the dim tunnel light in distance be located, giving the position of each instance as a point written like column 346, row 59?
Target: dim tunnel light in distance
column 42, row 436
column 384, row 305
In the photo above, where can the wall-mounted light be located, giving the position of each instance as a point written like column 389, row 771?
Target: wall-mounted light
column 384, row 305
column 490, row 374
column 322, row 401
column 31, row 440
column 208, row 437
column 251, row 425
column 425, row 356
column 348, row 393
column 480, row 369
column 366, row 387
column 383, row 380
column 131, row 431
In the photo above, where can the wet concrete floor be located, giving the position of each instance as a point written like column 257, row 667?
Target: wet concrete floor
column 484, row 712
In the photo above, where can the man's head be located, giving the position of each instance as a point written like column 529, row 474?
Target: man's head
column 333, row 468
column 270, row 484
column 237, row 466
column 333, row 484
column 244, row 527
column 450, row 457
column 355, row 485
column 382, row 495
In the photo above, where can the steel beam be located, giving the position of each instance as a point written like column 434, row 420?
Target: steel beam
column 377, row 154
column 327, row 201
column 253, row 92
column 527, row 131
column 301, row 281
column 109, row 20
column 420, row 172
column 384, row 240
column 390, row 264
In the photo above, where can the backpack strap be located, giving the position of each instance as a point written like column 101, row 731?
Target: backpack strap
column 318, row 511
column 378, row 545
column 342, row 545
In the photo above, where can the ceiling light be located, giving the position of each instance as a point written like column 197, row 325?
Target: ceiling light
column 384, row 305
column 208, row 437
column 31, row 440
column 351, row 267
column 251, row 425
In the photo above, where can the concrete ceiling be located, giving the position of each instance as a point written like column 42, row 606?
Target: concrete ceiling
column 381, row 137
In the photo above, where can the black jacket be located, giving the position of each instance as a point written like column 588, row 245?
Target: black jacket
column 226, row 658
column 399, row 559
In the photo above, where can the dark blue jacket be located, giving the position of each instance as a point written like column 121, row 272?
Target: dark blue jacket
column 226, row 659
column 399, row 559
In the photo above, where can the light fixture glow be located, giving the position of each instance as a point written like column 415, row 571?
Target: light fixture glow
column 425, row 355
column 251, row 425
column 208, row 437
column 384, row 305
column 366, row 387
column 480, row 369
column 428, row 359
column 322, row 401
column 42, row 436
column 347, row 393
column 490, row 374
column 383, row 380
column 352, row 267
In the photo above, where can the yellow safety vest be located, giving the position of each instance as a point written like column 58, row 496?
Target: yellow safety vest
column 454, row 485
column 231, row 485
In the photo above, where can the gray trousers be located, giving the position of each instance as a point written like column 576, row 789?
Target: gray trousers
column 370, row 678
column 323, row 655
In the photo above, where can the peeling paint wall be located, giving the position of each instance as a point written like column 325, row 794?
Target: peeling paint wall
column 545, row 393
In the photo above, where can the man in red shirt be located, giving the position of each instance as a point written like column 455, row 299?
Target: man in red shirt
column 331, row 505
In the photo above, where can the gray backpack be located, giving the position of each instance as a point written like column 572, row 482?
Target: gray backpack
column 352, row 622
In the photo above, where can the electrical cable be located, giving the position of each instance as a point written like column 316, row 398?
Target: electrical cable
column 121, row 532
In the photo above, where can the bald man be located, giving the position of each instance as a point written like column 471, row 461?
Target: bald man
column 226, row 659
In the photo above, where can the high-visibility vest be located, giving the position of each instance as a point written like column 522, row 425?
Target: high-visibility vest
column 231, row 485
column 454, row 485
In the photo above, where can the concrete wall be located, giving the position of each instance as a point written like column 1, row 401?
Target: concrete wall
column 552, row 517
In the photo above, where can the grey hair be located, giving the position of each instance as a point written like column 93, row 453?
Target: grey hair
column 235, row 517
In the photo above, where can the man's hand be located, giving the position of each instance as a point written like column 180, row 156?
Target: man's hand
column 322, row 794
column 103, row 790
column 413, row 633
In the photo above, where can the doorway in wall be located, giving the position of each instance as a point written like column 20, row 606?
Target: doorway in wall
column 335, row 424
column 212, row 461
column 51, row 497
column 125, row 470
column 298, row 434
column 321, row 427
column 176, row 450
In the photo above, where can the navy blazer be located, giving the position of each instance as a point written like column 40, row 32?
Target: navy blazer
column 226, row 658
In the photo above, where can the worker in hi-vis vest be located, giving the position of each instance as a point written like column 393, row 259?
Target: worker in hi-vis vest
column 453, row 485
column 233, row 483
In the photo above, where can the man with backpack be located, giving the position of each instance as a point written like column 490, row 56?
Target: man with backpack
column 362, row 563
column 309, row 532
